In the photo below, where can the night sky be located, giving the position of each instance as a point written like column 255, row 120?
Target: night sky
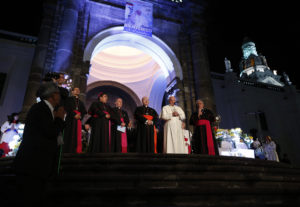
column 272, row 25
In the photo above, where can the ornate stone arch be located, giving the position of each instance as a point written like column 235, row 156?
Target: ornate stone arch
column 153, row 46
column 117, row 85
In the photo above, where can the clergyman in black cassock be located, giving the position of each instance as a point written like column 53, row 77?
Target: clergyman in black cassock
column 36, row 158
column 100, row 139
column 203, row 141
column 119, row 139
column 146, row 118
column 75, row 112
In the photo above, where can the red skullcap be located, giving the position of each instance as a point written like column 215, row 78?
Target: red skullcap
column 100, row 94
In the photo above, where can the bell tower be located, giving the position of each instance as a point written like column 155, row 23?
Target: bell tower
column 254, row 67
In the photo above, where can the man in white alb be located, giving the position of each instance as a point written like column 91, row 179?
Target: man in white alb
column 173, row 134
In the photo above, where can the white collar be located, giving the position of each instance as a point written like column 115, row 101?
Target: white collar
column 50, row 107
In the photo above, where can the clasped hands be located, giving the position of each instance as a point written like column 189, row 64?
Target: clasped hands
column 175, row 113
column 77, row 116
column 149, row 122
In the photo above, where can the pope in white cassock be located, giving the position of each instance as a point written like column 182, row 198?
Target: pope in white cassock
column 173, row 132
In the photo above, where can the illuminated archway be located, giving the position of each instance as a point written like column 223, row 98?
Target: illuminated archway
column 146, row 67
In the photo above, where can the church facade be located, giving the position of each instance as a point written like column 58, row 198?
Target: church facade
column 86, row 39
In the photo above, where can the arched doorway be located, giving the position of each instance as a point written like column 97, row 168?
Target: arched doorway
column 114, row 90
column 145, row 65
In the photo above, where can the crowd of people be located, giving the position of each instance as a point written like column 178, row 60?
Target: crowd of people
column 266, row 149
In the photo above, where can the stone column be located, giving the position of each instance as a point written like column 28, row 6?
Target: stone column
column 188, row 89
column 67, row 36
column 83, row 76
column 202, row 77
column 38, row 61
column 180, row 95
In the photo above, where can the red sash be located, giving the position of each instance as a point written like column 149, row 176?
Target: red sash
column 210, row 143
column 79, row 143
column 123, row 140
column 149, row 117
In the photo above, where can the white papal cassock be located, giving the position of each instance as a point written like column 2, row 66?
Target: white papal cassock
column 173, row 132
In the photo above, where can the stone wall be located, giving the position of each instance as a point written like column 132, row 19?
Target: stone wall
column 239, row 104
column 15, row 61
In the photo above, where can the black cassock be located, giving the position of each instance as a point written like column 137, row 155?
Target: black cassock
column 200, row 141
column 145, row 133
column 116, row 135
column 72, row 143
column 100, row 139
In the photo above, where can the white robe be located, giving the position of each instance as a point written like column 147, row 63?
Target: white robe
column 187, row 139
column 173, row 132
column 11, row 135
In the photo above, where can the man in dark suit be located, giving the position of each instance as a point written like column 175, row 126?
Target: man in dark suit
column 36, row 158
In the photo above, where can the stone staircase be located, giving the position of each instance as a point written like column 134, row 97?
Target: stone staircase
column 162, row 180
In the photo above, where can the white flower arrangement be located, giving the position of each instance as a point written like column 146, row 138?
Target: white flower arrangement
column 235, row 135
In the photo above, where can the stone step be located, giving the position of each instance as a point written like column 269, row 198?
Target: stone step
column 245, row 201
column 94, row 169
column 211, row 194
column 130, row 163
column 167, row 188
column 208, row 194
column 160, row 180
column 178, row 177
column 158, row 159
column 132, row 180
column 178, row 168
column 260, row 201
